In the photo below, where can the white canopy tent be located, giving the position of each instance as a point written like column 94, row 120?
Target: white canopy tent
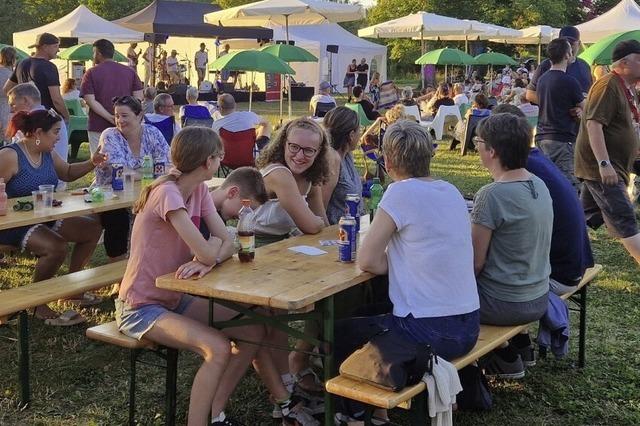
column 419, row 25
column 625, row 16
column 315, row 39
column 537, row 34
column 479, row 31
column 81, row 23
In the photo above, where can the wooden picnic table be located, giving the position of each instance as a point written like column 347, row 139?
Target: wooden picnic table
column 282, row 279
column 74, row 205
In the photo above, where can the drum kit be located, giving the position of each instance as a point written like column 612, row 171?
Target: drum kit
column 184, row 69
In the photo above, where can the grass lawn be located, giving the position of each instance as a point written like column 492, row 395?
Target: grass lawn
column 77, row 381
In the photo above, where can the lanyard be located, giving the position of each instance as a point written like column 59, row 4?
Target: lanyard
column 630, row 99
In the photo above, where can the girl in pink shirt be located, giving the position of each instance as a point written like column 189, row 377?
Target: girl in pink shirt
column 166, row 238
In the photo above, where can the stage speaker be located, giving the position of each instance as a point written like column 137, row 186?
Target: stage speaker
column 178, row 89
column 156, row 38
column 291, row 42
column 68, row 42
column 332, row 48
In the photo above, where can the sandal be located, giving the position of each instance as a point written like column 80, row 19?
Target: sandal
column 316, row 388
column 66, row 319
column 87, row 300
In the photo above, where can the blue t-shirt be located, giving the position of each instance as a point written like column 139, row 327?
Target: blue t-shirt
column 579, row 70
column 570, row 253
column 558, row 92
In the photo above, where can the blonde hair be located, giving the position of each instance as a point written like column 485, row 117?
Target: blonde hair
column 408, row 148
column 190, row 149
column 396, row 113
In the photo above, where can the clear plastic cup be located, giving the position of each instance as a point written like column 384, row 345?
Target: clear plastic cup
column 107, row 190
column 39, row 202
column 129, row 180
column 47, row 190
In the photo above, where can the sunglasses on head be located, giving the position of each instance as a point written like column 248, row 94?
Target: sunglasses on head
column 124, row 100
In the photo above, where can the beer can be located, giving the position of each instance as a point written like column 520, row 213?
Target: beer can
column 353, row 202
column 159, row 169
column 347, row 237
column 117, row 174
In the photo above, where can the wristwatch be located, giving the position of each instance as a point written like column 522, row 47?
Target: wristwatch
column 604, row 163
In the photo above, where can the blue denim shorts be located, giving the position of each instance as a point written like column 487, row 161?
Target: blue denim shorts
column 135, row 322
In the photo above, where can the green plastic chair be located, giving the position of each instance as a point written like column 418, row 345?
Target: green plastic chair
column 533, row 121
column 463, row 110
column 364, row 121
column 78, row 121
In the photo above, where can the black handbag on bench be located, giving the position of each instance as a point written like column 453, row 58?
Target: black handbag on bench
column 389, row 361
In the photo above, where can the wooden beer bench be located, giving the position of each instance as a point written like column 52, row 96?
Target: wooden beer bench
column 490, row 338
column 17, row 300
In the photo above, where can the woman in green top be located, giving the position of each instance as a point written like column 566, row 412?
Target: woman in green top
column 512, row 221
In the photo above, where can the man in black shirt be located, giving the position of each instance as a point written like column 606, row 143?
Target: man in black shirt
column 558, row 94
column 363, row 73
column 39, row 70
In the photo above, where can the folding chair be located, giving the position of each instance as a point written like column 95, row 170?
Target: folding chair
column 196, row 115
column 388, row 95
column 239, row 149
column 165, row 126
column 322, row 108
column 78, row 125
column 470, row 132
column 364, row 120
column 438, row 122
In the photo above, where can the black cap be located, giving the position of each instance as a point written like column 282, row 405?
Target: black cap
column 45, row 39
column 624, row 48
column 570, row 33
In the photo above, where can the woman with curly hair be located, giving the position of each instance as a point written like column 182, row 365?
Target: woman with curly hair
column 294, row 166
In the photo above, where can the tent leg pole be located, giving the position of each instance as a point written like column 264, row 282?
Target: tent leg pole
column 422, row 53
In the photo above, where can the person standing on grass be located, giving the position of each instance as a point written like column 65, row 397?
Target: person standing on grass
column 558, row 94
column 43, row 73
column 512, row 223
column 103, row 82
column 28, row 163
column 607, row 147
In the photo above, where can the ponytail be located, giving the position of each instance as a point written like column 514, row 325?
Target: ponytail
column 146, row 191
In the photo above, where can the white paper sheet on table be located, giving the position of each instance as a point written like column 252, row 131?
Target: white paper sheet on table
column 308, row 250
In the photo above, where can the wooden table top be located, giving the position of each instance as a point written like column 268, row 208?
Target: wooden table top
column 278, row 277
column 74, row 205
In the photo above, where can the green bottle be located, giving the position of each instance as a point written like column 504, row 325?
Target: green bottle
column 376, row 195
column 147, row 171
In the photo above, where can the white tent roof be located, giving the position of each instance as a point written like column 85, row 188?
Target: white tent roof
column 537, row 34
column 298, row 12
column 81, row 23
column 625, row 16
column 417, row 25
column 479, row 31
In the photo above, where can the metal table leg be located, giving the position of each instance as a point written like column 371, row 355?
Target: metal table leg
column 23, row 359
column 583, row 327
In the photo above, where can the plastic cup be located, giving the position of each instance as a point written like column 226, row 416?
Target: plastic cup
column 107, row 191
column 38, row 201
column 47, row 191
column 129, row 180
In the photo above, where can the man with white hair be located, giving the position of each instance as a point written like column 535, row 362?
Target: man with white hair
column 162, row 108
column 238, row 121
column 607, row 146
column 323, row 97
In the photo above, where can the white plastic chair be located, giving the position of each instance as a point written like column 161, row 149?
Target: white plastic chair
column 438, row 122
column 414, row 111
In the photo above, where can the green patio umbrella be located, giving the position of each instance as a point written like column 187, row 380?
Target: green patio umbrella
column 84, row 52
column 21, row 54
column 445, row 57
column 251, row 60
column 494, row 58
column 289, row 53
column 600, row 53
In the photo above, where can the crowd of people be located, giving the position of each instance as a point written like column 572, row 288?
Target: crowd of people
column 524, row 242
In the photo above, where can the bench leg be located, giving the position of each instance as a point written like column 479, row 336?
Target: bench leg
column 133, row 357
column 328, row 336
column 418, row 412
column 583, row 327
column 23, row 358
column 170, row 386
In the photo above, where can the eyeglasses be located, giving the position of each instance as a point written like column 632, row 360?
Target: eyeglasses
column 478, row 139
column 294, row 148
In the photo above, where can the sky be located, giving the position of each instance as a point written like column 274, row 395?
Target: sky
column 367, row 3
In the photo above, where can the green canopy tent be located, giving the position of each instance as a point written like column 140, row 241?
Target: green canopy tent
column 251, row 60
column 84, row 52
column 446, row 57
column 600, row 53
column 289, row 53
column 19, row 53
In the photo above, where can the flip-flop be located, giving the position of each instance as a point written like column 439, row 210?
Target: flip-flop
column 66, row 319
column 87, row 300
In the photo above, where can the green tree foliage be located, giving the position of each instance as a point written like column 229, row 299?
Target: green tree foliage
column 225, row 4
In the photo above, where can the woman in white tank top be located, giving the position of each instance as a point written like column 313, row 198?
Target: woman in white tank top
column 294, row 166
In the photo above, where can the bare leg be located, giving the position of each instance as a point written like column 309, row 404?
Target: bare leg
column 180, row 332
column 85, row 232
column 51, row 251
column 632, row 244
